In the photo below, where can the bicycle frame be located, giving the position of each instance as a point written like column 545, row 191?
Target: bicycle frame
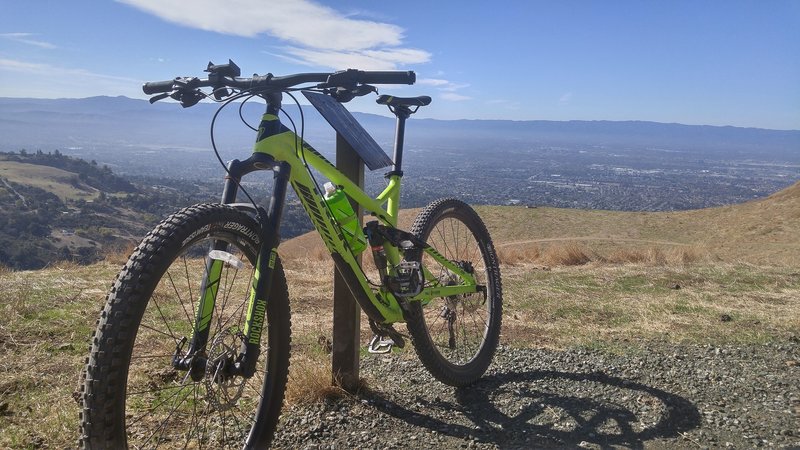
column 279, row 149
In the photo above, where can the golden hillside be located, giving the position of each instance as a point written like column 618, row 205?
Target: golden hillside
column 764, row 231
column 48, row 315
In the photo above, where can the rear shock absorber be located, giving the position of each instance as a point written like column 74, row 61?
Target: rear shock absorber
column 376, row 241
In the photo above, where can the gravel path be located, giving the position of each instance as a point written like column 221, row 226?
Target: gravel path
column 659, row 396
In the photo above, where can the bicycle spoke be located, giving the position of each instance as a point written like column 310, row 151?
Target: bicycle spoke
column 447, row 252
column 152, row 390
column 160, row 332
column 454, row 233
column 205, row 426
column 224, row 428
column 151, row 356
column 164, row 319
column 180, row 300
column 164, row 422
column 149, row 413
column 193, row 427
column 228, row 291
column 189, row 282
column 206, row 416
column 457, row 325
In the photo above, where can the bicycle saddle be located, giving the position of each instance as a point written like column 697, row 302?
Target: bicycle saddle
column 389, row 100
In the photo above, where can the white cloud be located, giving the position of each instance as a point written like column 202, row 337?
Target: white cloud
column 364, row 60
column 41, row 82
column 565, row 99
column 315, row 34
column 433, row 82
column 453, row 97
column 503, row 103
column 47, row 69
column 446, row 88
column 452, row 87
column 27, row 38
column 445, row 85
column 21, row 66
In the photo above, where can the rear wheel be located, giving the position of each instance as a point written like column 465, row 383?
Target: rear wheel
column 133, row 395
column 456, row 336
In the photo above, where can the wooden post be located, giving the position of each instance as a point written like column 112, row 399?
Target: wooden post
column 346, row 312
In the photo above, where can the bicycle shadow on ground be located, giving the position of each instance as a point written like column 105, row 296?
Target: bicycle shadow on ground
column 524, row 409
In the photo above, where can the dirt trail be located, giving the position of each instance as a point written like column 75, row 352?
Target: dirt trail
column 21, row 197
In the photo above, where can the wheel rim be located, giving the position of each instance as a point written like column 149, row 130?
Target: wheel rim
column 457, row 325
column 165, row 407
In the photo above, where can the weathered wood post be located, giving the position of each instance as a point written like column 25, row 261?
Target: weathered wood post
column 346, row 312
column 355, row 148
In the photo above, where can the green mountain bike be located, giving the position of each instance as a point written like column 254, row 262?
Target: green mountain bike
column 192, row 347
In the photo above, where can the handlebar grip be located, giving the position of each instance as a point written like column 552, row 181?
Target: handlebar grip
column 389, row 77
column 156, row 87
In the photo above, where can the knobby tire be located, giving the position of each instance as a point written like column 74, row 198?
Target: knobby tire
column 131, row 394
column 456, row 337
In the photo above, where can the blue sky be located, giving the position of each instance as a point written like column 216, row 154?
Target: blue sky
column 695, row 62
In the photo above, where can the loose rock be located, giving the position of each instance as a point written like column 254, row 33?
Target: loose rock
column 663, row 394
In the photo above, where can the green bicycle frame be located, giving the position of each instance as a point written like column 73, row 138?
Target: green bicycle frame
column 281, row 150
column 286, row 146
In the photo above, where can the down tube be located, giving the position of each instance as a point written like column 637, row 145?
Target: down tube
column 381, row 308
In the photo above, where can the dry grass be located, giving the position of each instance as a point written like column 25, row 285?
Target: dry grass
column 567, row 254
column 46, row 318
column 615, row 305
column 310, row 279
column 763, row 231
column 571, row 253
column 516, row 255
column 674, row 256
column 119, row 254
column 313, row 253
column 310, row 380
column 60, row 182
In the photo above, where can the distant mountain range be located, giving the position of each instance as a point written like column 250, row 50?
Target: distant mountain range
column 108, row 123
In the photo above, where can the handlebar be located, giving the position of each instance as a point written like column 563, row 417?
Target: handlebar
column 157, row 87
column 345, row 78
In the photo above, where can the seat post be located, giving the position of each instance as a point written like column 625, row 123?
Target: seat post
column 402, row 113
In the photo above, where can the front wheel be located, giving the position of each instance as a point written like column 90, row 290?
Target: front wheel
column 456, row 336
column 134, row 394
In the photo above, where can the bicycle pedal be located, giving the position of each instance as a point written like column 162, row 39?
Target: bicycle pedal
column 380, row 344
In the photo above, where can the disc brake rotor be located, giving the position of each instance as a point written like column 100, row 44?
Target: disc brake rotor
column 223, row 389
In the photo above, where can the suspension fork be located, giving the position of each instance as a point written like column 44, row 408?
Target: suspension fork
column 245, row 364
column 194, row 359
column 262, row 277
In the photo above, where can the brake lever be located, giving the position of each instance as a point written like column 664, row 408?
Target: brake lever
column 187, row 97
column 158, row 97
column 220, row 94
column 365, row 89
column 345, row 94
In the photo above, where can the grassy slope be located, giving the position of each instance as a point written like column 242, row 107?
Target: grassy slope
column 762, row 231
column 51, row 179
column 46, row 316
